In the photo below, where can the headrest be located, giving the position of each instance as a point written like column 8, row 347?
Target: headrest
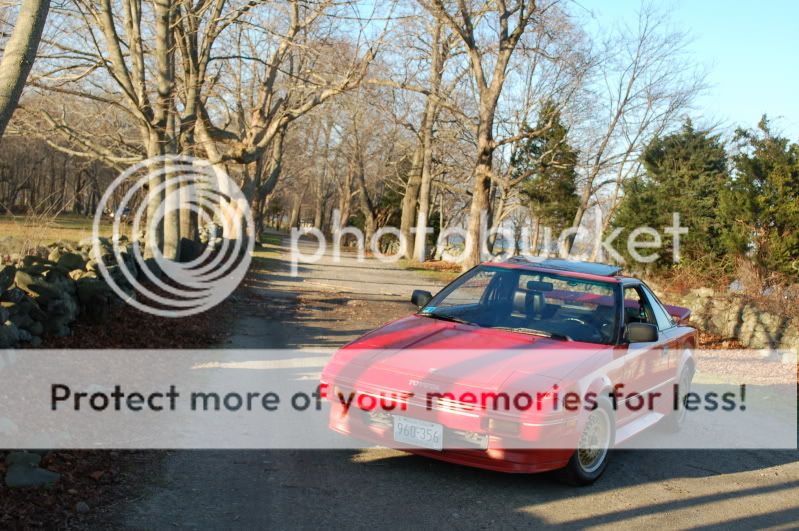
column 519, row 301
column 536, row 285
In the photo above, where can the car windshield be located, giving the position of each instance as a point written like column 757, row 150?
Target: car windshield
column 531, row 302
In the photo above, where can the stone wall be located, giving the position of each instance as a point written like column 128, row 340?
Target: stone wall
column 736, row 316
column 42, row 294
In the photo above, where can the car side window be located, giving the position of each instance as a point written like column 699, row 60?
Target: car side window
column 664, row 320
column 637, row 308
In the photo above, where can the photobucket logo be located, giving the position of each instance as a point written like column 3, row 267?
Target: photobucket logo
column 644, row 244
column 182, row 186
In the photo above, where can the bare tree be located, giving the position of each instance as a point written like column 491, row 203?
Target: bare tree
column 510, row 20
column 645, row 82
column 440, row 50
column 19, row 54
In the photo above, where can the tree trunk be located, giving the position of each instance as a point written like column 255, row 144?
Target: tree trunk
column 155, row 198
column 482, row 186
column 296, row 211
column 578, row 219
column 319, row 210
column 497, row 213
column 19, row 54
column 173, row 198
column 409, row 200
column 367, row 208
column 436, row 72
column 536, row 235
column 165, row 125
column 344, row 199
column 320, row 190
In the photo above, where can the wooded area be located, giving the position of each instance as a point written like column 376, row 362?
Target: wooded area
column 415, row 115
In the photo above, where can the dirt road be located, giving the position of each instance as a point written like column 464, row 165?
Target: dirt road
column 331, row 303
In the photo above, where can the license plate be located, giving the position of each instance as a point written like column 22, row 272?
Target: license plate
column 418, row 432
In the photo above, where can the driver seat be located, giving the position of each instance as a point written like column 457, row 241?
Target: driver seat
column 535, row 304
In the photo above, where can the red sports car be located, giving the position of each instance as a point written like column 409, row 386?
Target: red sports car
column 521, row 366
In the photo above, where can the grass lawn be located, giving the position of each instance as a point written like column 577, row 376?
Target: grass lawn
column 19, row 233
column 265, row 256
column 436, row 270
column 268, row 238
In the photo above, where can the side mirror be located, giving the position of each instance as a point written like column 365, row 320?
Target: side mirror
column 420, row 298
column 641, row 333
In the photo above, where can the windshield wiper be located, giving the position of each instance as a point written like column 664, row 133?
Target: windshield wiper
column 445, row 317
column 534, row 332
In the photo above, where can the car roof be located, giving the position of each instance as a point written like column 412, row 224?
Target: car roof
column 575, row 268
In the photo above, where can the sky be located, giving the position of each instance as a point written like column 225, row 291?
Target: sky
column 750, row 50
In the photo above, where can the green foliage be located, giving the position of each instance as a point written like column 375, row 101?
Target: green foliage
column 761, row 203
column 547, row 163
column 684, row 172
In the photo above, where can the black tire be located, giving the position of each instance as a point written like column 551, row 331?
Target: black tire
column 585, row 465
column 675, row 420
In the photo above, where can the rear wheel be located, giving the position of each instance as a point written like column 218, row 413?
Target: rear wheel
column 593, row 448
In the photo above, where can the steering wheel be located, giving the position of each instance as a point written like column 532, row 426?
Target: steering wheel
column 576, row 320
column 590, row 329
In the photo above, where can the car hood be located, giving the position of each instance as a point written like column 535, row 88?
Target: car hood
column 431, row 352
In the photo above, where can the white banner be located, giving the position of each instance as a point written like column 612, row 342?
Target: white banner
column 429, row 399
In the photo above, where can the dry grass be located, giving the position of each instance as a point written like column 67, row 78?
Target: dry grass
column 772, row 292
column 20, row 234
column 436, row 269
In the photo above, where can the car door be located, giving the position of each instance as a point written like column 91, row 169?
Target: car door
column 667, row 329
column 647, row 365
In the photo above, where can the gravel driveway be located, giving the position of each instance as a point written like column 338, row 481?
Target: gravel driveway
column 331, row 303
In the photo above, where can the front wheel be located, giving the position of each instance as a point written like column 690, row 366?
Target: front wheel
column 593, row 448
column 676, row 419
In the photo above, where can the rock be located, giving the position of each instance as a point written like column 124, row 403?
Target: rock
column 82, row 507
column 58, row 328
column 36, row 287
column 21, row 475
column 95, row 298
column 92, row 290
column 36, row 328
column 7, row 277
column 36, row 313
column 4, row 314
column 36, row 270
column 35, row 341
column 24, row 335
column 23, row 458
column 21, row 320
column 58, row 279
column 55, row 255
column 13, row 295
column 9, row 335
column 703, row 292
column 71, row 261
column 31, row 260
column 87, row 242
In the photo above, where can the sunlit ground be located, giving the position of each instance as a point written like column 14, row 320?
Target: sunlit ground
column 18, row 233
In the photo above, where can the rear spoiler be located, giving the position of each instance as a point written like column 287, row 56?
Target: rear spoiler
column 680, row 314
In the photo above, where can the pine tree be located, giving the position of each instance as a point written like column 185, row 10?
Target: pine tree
column 761, row 204
column 549, row 163
column 684, row 172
